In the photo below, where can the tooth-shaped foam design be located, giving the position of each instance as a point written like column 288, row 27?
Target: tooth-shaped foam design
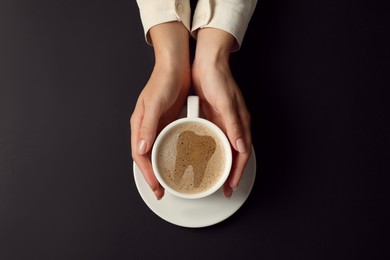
column 193, row 150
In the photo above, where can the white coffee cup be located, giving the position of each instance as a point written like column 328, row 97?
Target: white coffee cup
column 191, row 156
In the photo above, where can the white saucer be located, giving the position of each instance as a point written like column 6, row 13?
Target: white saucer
column 201, row 212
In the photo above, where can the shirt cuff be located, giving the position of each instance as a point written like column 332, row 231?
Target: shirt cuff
column 153, row 12
column 232, row 16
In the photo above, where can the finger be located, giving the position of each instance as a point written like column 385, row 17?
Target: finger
column 241, row 133
column 143, row 161
column 245, row 119
column 235, row 131
column 227, row 190
column 145, row 167
column 135, row 125
column 148, row 128
column 238, row 167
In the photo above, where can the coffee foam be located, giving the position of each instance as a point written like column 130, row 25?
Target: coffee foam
column 196, row 160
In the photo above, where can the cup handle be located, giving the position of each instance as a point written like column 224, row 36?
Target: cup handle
column 193, row 106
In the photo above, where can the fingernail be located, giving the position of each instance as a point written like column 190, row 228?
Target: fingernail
column 159, row 194
column 228, row 195
column 233, row 187
column 240, row 145
column 142, row 146
column 159, row 197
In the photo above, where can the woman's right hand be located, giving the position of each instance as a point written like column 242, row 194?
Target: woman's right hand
column 163, row 97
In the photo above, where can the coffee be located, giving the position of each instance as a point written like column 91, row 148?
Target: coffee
column 191, row 158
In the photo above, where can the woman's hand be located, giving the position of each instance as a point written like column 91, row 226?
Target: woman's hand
column 221, row 99
column 163, row 97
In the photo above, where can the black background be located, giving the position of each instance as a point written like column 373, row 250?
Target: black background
column 316, row 78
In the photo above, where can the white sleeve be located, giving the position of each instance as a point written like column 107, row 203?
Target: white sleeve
column 153, row 12
column 232, row 16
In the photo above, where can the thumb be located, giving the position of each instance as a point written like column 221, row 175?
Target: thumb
column 147, row 131
column 235, row 132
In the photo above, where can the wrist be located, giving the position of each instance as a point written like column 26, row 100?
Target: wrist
column 172, row 63
column 213, row 46
column 171, row 44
